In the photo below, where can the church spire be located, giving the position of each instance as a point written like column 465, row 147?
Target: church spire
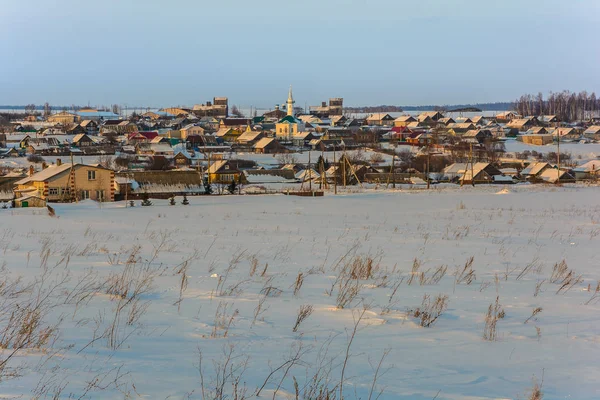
column 290, row 103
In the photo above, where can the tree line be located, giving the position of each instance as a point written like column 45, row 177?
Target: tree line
column 567, row 106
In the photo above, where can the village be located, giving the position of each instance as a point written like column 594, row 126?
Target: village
column 206, row 149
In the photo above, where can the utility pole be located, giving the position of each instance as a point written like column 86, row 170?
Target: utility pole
column 392, row 170
column 471, row 158
column 337, row 168
column 558, row 153
column 344, row 169
column 428, row 156
column 309, row 174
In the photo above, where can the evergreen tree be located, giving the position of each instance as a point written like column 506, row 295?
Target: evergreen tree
column 207, row 186
column 172, row 200
column 146, row 201
column 232, row 186
column 185, row 201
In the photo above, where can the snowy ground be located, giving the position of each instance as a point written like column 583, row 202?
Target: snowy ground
column 586, row 151
column 218, row 276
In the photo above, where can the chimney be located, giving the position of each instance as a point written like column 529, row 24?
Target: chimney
column 31, row 170
column 276, row 106
column 58, row 162
column 44, row 165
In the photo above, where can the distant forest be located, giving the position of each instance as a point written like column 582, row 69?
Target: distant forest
column 567, row 106
column 498, row 106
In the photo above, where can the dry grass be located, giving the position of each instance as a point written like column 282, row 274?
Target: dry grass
column 495, row 312
column 304, row 312
column 430, row 310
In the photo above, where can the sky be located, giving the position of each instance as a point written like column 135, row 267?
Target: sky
column 370, row 52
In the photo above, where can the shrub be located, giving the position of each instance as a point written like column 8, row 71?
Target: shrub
column 430, row 310
column 35, row 158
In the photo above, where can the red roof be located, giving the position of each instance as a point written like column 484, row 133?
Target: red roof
column 147, row 135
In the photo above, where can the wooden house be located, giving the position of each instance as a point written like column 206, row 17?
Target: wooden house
column 268, row 146
column 83, row 140
column 380, row 119
column 222, row 172
column 404, row 120
column 228, row 134
column 68, row 182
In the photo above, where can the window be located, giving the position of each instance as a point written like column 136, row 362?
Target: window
column 85, row 194
column 91, row 175
column 100, row 195
column 53, row 192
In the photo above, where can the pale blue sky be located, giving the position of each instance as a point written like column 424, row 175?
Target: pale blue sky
column 181, row 52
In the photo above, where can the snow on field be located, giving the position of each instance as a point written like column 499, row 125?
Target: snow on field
column 589, row 150
column 218, row 277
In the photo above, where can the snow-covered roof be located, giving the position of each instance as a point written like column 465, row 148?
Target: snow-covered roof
column 45, row 174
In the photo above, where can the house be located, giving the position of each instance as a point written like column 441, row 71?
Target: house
column 68, row 182
column 90, row 126
column 380, row 119
column 228, row 134
column 537, row 130
column 548, row 119
column 141, row 137
column 302, row 139
column 428, row 118
column 338, row 120
column 74, row 129
column 463, row 172
column 446, row 121
column 522, row 124
column 553, row 175
column 64, row 118
column 196, row 141
column 155, row 149
column 190, row 130
column 234, row 122
column 268, row 146
column 534, row 170
column 506, row 116
column 478, row 135
column 40, row 148
column 250, row 137
column 460, row 128
column 478, row 120
column 182, row 160
column 82, row 140
column 222, row 172
column 565, row 133
column 118, row 126
column 404, row 120
column 593, row 132
column 587, row 171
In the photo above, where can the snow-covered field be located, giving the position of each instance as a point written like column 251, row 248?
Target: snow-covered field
column 142, row 299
